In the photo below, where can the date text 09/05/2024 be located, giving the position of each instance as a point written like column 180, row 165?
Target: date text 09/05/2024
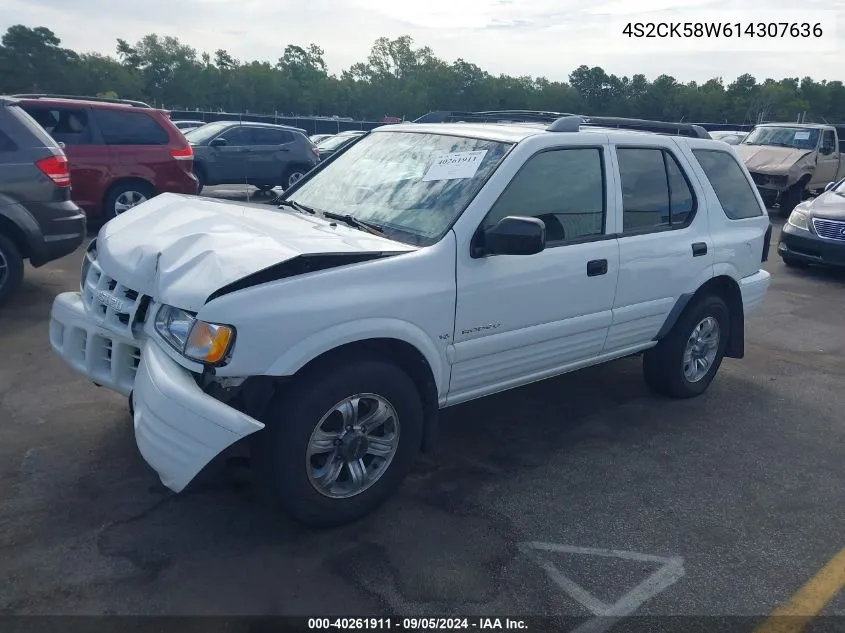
column 723, row 29
column 416, row 624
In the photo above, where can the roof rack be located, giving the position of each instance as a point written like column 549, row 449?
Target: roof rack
column 491, row 116
column 137, row 104
column 644, row 125
column 539, row 116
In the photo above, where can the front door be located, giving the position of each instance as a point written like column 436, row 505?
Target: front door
column 271, row 151
column 827, row 164
column 230, row 164
column 521, row 318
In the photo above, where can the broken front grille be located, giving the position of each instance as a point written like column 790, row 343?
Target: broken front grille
column 111, row 304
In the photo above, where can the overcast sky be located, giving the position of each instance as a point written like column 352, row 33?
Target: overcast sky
column 519, row 37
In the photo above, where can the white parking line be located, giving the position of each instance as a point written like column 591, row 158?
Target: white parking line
column 671, row 570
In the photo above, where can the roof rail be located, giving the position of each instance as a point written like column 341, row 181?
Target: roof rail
column 491, row 116
column 644, row 125
column 541, row 116
column 137, row 104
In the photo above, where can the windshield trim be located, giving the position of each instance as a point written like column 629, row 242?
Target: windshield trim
column 420, row 241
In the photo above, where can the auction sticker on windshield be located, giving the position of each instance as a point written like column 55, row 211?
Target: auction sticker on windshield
column 802, row 136
column 455, row 165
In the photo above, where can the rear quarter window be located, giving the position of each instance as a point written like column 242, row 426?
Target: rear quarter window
column 733, row 189
column 130, row 128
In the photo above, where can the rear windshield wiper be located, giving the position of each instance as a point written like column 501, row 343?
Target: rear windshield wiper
column 351, row 220
column 296, row 205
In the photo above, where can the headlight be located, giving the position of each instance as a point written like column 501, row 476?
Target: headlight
column 800, row 219
column 207, row 343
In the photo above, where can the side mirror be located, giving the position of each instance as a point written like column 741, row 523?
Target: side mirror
column 512, row 235
column 829, row 186
column 218, row 142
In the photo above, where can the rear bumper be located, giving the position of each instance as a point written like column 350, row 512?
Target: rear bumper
column 61, row 236
column 184, row 182
column 178, row 427
column 753, row 290
column 808, row 247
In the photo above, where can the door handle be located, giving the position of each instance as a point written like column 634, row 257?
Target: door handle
column 596, row 267
column 284, row 149
column 699, row 249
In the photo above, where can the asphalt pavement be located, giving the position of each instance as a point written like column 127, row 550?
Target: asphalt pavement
column 563, row 497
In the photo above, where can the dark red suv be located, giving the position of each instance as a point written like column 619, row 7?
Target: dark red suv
column 120, row 152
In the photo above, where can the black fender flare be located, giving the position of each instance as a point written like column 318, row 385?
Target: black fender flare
column 736, row 337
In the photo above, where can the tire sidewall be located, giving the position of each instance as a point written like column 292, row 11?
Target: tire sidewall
column 286, row 184
column 144, row 189
column 708, row 306
column 293, row 417
column 11, row 281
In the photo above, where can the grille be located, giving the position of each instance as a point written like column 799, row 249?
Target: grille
column 830, row 229
column 111, row 304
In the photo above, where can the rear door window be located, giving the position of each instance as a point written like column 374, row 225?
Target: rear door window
column 71, row 126
column 130, row 128
column 270, row 136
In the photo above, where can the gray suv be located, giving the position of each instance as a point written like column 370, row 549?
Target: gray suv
column 38, row 220
column 259, row 154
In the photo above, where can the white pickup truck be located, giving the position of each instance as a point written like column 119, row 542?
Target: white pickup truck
column 425, row 266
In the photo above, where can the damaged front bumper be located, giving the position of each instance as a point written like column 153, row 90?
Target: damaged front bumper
column 179, row 428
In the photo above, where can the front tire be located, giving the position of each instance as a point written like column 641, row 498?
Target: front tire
column 11, row 269
column 340, row 440
column 790, row 198
column 684, row 363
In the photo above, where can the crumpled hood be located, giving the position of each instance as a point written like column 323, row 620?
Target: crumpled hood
column 179, row 249
column 770, row 160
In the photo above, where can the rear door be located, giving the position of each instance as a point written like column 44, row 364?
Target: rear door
column 270, row 154
column 89, row 159
column 665, row 247
column 134, row 138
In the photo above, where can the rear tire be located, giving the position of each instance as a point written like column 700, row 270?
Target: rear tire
column 11, row 269
column 124, row 195
column 670, row 368
column 292, row 176
column 281, row 451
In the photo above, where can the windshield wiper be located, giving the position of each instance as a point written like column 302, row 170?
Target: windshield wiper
column 295, row 205
column 351, row 220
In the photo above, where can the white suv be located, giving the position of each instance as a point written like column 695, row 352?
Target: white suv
column 425, row 266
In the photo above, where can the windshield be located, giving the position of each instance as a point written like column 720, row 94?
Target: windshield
column 412, row 185
column 206, row 132
column 333, row 142
column 780, row 136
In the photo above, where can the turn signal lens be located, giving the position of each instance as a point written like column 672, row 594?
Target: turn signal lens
column 209, row 342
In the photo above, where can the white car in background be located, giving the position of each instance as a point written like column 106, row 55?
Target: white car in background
column 731, row 137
